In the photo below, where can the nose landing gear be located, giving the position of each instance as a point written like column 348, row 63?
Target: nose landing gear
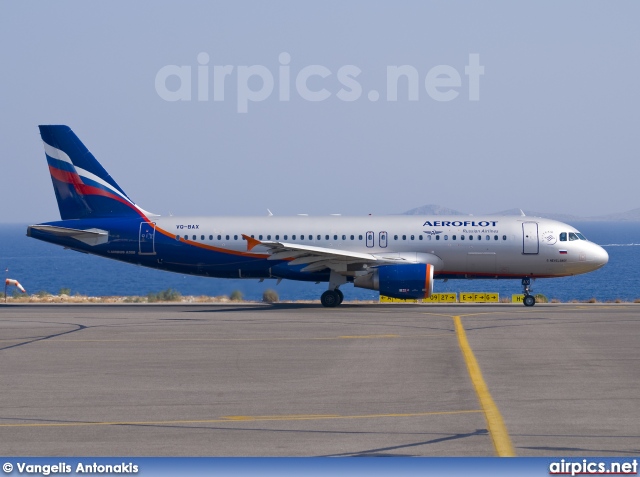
column 529, row 299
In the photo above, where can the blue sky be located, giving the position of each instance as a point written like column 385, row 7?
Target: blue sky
column 553, row 129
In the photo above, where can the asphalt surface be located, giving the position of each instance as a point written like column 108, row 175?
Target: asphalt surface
column 301, row 380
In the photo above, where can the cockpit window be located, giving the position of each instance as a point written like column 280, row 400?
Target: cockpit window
column 563, row 237
column 573, row 237
column 580, row 236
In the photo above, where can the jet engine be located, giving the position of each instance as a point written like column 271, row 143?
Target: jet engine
column 399, row 281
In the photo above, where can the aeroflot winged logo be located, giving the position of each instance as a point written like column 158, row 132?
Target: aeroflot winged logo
column 459, row 223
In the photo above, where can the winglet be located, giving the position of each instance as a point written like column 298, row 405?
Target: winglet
column 251, row 242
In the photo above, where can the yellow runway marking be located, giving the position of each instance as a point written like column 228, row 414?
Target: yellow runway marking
column 230, row 419
column 495, row 423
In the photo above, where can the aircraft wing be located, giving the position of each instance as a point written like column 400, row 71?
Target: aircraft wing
column 319, row 258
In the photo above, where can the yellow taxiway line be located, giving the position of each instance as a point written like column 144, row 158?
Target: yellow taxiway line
column 495, row 423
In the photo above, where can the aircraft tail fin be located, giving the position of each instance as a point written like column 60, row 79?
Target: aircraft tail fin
column 83, row 188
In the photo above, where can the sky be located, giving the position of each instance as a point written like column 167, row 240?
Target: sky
column 233, row 108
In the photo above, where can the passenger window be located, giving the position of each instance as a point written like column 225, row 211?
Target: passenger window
column 326, row 237
column 488, row 237
column 202, row 237
column 437, row 237
column 404, row 237
column 210, row 237
column 470, row 237
column 479, row 237
column 319, row 237
column 177, row 237
column 495, row 237
column 453, row 237
column 359, row 237
column 286, row 237
column 395, row 237
column 412, row 237
column 353, row 237
column 293, row 237
column 268, row 237
column 228, row 237
column 573, row 237
column 194, row 237
column 462, row 237
column 420, row 237
column 335, row 237
column 504, row 237
column 344, row 237
column 277, row 237
column 446, row 237
column 186, row 237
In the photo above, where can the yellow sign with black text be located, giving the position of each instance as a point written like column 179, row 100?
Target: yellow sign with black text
column 441, row 298
column 471, row 297
column 388, row 299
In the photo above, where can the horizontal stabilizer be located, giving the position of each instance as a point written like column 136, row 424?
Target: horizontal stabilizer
column 89, row 236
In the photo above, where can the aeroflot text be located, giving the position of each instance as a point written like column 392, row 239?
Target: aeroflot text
column 460, row 223
column 313, row 83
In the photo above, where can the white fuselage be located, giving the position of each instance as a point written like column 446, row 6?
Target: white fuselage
column 489, row 246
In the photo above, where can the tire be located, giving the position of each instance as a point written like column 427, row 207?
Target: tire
column 340, row 296
column 330, row 299
column 529, row 300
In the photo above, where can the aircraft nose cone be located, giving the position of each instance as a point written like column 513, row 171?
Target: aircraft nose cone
column 601, row 257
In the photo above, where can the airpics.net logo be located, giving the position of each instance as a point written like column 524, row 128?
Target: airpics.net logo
column 314, row 83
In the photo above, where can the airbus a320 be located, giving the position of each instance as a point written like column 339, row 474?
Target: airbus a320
column 400, row 256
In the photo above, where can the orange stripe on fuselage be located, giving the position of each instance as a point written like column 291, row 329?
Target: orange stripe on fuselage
column 210, row 247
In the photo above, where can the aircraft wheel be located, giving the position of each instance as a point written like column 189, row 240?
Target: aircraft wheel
column 330, row 299
column 529, row 300
column 340, row 296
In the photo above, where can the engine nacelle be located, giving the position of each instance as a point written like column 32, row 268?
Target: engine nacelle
column 399, row 281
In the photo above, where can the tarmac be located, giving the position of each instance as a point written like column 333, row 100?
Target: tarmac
column 302, row 380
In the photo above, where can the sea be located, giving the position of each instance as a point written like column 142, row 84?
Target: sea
column 40, row 266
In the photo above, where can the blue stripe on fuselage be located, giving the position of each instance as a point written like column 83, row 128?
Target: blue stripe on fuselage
column 171, row 254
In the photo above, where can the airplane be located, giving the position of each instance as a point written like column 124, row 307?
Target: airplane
column 400, row 256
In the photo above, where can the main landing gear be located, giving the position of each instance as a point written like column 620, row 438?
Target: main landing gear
column 529, row 299
column 333, row 296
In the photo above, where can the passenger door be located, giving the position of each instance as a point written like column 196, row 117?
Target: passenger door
column 530, row 243
column 147, row 238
